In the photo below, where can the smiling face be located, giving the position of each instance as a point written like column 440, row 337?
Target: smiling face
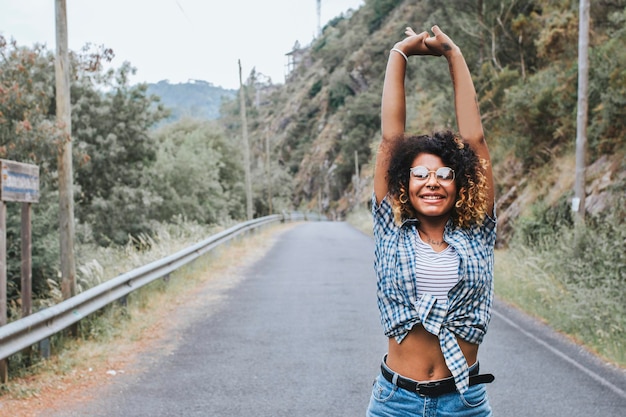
column 428, row 197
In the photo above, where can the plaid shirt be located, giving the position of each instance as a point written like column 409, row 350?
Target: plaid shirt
column 467, row 312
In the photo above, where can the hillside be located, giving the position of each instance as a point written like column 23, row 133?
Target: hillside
column 326, row 118
column 195, row 99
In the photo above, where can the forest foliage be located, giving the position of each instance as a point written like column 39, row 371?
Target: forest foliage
column 135, row 168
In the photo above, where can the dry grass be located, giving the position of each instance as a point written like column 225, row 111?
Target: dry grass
column 361, row 219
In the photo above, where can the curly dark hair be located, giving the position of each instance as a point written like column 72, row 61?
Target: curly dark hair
column 471, row 200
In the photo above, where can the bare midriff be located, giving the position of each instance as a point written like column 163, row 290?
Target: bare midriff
column 419, row 355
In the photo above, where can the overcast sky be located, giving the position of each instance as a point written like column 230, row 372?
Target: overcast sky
column 179, row 40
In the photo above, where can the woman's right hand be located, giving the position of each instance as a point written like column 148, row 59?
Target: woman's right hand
column 415, row 43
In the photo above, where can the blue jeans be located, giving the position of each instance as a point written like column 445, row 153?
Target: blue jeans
column 388, row 400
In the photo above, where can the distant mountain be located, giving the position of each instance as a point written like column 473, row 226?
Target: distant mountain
column 195, row 98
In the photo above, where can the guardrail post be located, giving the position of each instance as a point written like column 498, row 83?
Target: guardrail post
column 44, row 348
column 123, row 301
column 4, row 371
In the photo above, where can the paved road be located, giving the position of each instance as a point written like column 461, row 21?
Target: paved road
column 299, row 336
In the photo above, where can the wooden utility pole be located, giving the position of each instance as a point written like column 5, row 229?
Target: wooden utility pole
column 64, row 120
column 319, row 17
column 356, row 175
column 578, row 203
column 4, row 364
column 269, row 172
column 27, row 262
column 246, row 146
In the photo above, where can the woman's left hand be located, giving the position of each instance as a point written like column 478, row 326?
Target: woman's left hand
column 441, row 44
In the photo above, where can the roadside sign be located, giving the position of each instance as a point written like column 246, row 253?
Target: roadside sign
column 19, row 182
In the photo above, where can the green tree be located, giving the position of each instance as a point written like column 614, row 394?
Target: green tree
column 28, row 134
column 361, row 123
column 607, row 95
column 112, row 131
column 198, row 175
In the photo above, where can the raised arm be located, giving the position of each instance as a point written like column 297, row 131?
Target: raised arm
column 465, row 102
column 393, row 112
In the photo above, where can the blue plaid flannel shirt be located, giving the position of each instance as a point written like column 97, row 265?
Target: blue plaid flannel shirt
column 468, row 310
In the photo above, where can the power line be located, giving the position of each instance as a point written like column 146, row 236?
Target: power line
column 183, row 11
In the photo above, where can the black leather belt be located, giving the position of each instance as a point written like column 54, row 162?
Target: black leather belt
column 433, row 388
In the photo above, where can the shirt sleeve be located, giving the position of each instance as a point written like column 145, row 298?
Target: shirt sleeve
column 383, row 217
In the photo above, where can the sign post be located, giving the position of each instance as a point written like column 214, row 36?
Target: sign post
column 20, row 183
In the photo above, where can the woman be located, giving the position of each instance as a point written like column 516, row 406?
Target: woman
column 435, row 232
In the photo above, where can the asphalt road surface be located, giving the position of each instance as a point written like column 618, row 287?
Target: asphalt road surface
column 299, row 335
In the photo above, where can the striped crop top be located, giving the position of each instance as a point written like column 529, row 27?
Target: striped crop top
column 435, row 272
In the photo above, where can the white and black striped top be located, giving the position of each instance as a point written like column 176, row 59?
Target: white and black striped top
column 435, row 272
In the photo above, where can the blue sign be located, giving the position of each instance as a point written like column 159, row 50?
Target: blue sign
column 19, row 182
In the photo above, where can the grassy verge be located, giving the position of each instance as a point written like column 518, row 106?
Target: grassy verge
column 361, row 219
column 593, row 315
column 572, row 276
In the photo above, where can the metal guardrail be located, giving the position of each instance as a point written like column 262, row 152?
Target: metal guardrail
column 29, row 330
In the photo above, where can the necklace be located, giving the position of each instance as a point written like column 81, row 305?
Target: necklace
column 431, row 241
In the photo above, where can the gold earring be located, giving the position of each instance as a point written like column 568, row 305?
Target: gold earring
column 403, row 196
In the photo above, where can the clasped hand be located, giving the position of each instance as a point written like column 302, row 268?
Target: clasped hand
column 424, row 44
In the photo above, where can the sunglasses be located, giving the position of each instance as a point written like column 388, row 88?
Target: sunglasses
column 443, row 175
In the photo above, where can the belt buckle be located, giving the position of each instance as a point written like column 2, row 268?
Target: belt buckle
column 426, row 388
